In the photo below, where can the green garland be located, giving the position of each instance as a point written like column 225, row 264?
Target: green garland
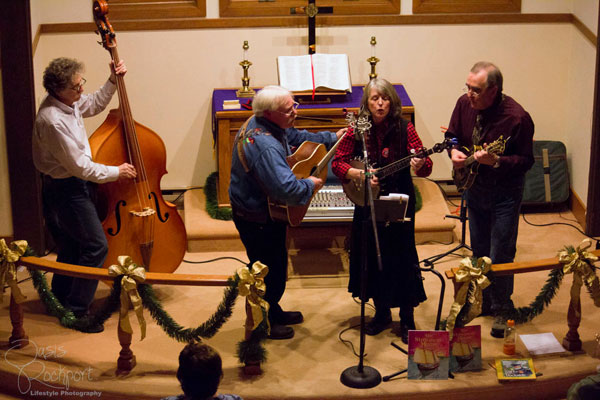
column 176, row 331
column 66, row 316
column 536, row 307
column 525, row 314
column 249, row 351
column 224, row 213
column 212, row 206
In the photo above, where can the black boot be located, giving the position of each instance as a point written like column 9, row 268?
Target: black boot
column 381, row 321
column 407, row 322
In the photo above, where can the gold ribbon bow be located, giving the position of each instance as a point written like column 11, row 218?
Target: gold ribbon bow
column 132, row 275
column 468, row 274
column 252, row 286
column 580, row 262
column 9, row 255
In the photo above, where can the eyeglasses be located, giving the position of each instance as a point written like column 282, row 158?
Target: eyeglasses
column 474, row 90
column 78, row 88
column 294, row 108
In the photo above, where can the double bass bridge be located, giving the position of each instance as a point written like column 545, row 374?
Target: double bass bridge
column 146, row 212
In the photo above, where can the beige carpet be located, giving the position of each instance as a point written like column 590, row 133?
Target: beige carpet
column 309, row 365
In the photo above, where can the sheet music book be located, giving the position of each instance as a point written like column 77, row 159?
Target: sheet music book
column 331, row 72
column 391, row 208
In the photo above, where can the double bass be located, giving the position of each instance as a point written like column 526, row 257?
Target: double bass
column 136, row 219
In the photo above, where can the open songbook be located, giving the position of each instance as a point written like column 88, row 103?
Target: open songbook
column 321, row 72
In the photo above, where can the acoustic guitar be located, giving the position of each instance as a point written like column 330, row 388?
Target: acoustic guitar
column 465, row 177
column 310, row 159
column 354, row 189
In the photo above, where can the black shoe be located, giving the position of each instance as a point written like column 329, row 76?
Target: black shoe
column 377, row 325
column 486, row 310
column 280, row 332
column 81, row 313
column 498, row 327
column 288, row 318
column 95, row 328
column 404, row 328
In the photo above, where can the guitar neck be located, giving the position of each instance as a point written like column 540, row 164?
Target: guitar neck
column 325, row 161
column 401, row 164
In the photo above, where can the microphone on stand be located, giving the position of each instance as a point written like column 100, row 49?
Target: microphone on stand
column 362, row 120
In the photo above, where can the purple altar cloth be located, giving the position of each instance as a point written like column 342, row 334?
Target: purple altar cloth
column 351, row 100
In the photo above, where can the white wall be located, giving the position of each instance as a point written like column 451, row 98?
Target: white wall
column 172, row 74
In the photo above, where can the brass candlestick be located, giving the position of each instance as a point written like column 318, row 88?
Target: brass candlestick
column 373, row 60
column 245, row 91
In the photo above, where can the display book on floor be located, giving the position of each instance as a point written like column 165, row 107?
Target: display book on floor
column 433, row 355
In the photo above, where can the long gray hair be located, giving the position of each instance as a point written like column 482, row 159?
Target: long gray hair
column 386, row 89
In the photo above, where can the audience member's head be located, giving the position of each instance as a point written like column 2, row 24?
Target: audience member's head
column 200, row 371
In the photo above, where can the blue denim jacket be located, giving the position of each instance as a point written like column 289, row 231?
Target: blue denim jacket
column 266, row 149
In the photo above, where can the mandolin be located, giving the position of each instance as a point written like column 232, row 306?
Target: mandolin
column 465, row 177
column 354, row 189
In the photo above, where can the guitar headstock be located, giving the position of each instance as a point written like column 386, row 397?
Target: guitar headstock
column 105, row 29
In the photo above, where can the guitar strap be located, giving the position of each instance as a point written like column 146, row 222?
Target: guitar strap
column 477, row 129
column 239, row 142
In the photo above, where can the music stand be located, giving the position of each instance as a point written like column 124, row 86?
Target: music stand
column 429, row 262
column 463, row 219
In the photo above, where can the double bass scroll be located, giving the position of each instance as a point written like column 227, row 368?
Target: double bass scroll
column 136, row 219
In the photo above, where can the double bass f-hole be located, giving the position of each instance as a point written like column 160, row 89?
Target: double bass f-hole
column 157, row 205
column 111, row 231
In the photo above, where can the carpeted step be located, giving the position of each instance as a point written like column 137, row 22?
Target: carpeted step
column 207, row 234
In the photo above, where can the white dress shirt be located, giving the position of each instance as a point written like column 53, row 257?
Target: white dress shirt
column 60, row 144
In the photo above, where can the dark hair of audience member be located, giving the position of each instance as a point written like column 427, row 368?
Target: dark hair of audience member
column 200, row 371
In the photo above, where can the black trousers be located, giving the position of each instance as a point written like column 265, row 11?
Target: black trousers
column 266, row 242
column 72, row 220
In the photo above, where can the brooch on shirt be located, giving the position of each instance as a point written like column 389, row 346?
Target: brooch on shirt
column 385, row 152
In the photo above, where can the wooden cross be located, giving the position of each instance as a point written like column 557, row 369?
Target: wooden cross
column 311, row 11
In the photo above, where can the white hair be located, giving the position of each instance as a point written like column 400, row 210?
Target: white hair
column 269, row 98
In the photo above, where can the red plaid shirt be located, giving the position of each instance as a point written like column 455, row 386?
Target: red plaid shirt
column 345, row 151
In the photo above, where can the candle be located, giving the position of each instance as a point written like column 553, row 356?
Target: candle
column 373, row 43
column 245, row 47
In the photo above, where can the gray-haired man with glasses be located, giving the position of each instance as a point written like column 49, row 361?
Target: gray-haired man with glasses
column 259, row 169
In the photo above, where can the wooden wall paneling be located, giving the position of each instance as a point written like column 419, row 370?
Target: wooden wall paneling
column 19, row 116
column 155, row 9
column 592, row 220
column 257, row 8
column 466, row 6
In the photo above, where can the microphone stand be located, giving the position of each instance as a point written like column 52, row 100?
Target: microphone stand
column 361, row 376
